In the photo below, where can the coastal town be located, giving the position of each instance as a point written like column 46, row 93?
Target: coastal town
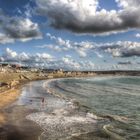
column 14, row 74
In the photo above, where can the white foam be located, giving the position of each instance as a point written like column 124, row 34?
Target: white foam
column 61, row 123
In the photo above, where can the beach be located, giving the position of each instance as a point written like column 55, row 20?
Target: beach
column 11, row 114
column 15, row 107
column 38, row 108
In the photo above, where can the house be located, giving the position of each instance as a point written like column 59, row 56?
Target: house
column 59, row 71
column 34, row 70
column 5, row 68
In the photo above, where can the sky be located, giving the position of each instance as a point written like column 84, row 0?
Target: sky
column 71, row 34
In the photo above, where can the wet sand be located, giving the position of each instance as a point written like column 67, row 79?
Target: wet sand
column 16, row 126
column 7, row 98
column 13, row 122
column 11, row 115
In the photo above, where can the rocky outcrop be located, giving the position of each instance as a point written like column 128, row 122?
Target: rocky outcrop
column 24, row 77
column 13, row 83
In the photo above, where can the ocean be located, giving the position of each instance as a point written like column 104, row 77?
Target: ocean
column 91, row 108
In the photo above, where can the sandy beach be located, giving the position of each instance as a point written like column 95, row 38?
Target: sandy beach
column 24, row 97
column 7, row 98
column 10, row 91
column 12, row 116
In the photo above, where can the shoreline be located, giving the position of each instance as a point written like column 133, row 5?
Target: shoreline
column 70, row 114
column 9, row 95
column 105, row 131
column 7, row 98
column 16, row 91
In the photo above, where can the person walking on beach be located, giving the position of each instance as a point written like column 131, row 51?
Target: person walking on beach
column 43, row 100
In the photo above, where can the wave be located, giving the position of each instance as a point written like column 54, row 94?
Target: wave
column 64, row 123
column 107, row 129
column 112, row 94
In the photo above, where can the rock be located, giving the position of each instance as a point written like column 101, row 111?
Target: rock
column 3, row 84
column 24, row 77
column 13, row 83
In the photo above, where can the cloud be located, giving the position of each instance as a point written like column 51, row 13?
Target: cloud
column 65, row 45
column 4, row 39
column 28, row 10
column 84, row 48
column 81, row 53
column 9, row 54
column 12, row 56
column 98, row 54
column 138, row 35
column 127, row 3
column 17, row 28
column 71, row 64
column 45, row 60
column 84, row 16
column 125, row 63
column 122, row 49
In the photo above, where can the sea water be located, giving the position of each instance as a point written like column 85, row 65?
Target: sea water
column 115, row 100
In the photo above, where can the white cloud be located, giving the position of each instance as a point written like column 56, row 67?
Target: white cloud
column 81, row 53
column 4, row 39
column 128, row 3
column 28, row 11
column 45, row 60
column 12, row 56
column 23, row 56
column 98, row 54
column 65, row 45
column 44, row 56
column 116, row 49
column 10, row 53
column 69, row 63
column 138, row 35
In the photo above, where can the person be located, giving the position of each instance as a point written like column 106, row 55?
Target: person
column 43, row 100
column 43, row 103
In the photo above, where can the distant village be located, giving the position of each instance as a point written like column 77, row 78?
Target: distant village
column 16, row 68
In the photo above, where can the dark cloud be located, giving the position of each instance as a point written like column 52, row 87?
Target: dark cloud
column 17, row 28
column 84, row 17
column 122, row 49
column 125, row 63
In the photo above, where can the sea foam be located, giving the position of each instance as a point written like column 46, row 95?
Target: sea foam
column 63, row 123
